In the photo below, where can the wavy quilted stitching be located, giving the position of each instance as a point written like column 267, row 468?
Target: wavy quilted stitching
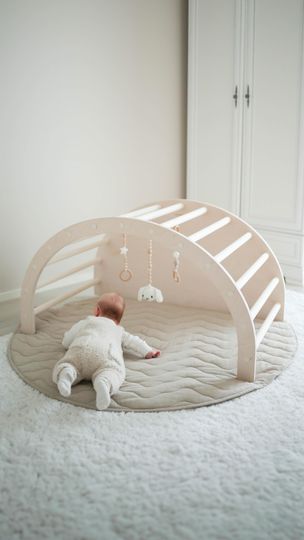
column 197, row 366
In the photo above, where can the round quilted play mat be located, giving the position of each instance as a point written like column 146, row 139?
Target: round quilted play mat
column 197, row 365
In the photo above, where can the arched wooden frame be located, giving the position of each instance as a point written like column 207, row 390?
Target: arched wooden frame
column 140, row 224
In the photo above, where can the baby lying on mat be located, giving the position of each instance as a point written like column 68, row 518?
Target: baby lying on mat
column 94, row 352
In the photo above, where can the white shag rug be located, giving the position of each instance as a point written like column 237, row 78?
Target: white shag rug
column 226, row 472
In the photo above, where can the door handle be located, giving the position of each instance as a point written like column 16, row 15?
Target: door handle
column 235, row 96
column 247, row 95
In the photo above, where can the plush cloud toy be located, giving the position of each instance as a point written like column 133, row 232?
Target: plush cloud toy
column 150, row 293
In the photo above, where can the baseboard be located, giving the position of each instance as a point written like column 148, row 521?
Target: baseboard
column 293, row 274
column 13, row 294
column 65, row 284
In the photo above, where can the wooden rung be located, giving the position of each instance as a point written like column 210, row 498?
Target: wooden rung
column 266, row 324
column 61, row 298
column 222, row 255
column 241, row 282
column 199, row 235
column 184, row 217
column 74, row 252
column 161, row 212
column 69, row 272
column 141, row 211
column 256, row 308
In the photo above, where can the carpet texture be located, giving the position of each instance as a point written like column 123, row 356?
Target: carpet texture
column 197, row 365
column 229, row 471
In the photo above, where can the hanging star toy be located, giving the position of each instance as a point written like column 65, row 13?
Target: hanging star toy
column 125, row 274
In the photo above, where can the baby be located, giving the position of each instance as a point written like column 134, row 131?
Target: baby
column 94, row 352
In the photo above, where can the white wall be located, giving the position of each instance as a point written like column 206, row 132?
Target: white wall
column 92, row 115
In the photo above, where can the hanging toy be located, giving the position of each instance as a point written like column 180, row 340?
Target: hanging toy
column 125, row 274
column 150, row 293
column 176, row 263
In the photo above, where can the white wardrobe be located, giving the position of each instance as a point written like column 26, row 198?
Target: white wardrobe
column 246, row 117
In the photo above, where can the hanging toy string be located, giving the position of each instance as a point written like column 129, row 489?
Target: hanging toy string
column 149, row 292
column 150, row 263
column 125, row 274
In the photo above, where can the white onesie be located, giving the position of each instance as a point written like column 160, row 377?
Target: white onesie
column 95, row 348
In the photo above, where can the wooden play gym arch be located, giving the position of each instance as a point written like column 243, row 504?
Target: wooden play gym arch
column 225, row 265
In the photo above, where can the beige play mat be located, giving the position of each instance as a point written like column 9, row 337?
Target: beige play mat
column 197, row 365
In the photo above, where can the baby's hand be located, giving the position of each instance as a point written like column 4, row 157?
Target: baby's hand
column 152, row 354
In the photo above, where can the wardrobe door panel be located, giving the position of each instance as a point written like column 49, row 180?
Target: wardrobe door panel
column 272, row 194
column 214, row 116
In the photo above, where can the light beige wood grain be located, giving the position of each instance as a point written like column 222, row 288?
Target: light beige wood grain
column 220, row 266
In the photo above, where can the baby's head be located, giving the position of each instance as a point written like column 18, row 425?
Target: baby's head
column 110, row 305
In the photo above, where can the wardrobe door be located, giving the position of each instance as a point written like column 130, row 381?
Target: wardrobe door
column 272, row 194
column 215, row 102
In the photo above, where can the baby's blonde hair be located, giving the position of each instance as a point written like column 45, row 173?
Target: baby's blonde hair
column 111, row 305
